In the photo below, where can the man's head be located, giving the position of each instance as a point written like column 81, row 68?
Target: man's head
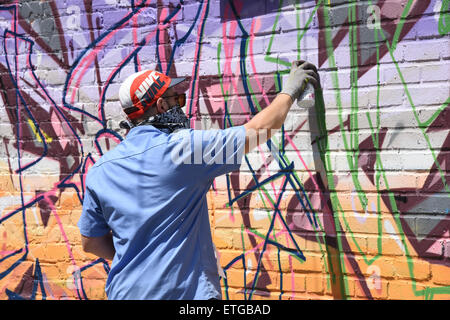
column 151, row 94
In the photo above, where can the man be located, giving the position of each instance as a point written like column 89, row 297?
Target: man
column 145, row 203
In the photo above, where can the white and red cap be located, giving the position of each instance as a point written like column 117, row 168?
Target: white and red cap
column 142, row 89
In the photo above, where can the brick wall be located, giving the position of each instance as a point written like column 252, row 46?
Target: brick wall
column 350, row 201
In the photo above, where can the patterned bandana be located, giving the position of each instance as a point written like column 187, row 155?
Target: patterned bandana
column 169, row 121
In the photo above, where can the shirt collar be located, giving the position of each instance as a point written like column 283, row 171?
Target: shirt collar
column 142, row 129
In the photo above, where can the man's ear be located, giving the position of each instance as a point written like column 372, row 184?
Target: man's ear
column 161, row 105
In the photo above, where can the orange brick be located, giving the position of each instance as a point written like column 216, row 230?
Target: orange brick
column 420, row 269
column 250, row 240
column 313, row 245
column 75, row 215
column 252, row 261
column 347, row 284
column 314, row 263
column 223, row 238
column 392, row 245
column 314, row 284
column 440, row 274
column 227, row 219
column 294, row 282
column 373, row 247
column 52, row 271
column 285, row 260
column 368, row 226
column 37, row 250
column 404, row 290
column 56, row 252
column 441, row 296
column 377, row 288
column 350, row 202
column 220, row 201
column 68, row 201
column 79, row 253
column 226, row 256
column 54, row 234
column 356, row 243
column 95, row 289
column 266, row 280
column 73, row 234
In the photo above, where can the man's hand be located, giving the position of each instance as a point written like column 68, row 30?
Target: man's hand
column 302, row 72
column 265, row 123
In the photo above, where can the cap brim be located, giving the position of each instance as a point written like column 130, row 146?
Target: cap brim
column 176, row 81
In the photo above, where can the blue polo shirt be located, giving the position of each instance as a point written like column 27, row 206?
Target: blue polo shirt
column 150, row 191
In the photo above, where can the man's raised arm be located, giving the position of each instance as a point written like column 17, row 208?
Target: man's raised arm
column 263, row 125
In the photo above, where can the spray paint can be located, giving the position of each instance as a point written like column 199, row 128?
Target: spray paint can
column 308, row 98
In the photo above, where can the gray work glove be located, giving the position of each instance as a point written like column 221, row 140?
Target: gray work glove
column 301, row 74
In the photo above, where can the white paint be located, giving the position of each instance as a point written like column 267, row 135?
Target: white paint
column 373, row 21
column 391, row 231
column 249, row 266
column 261, row 214
column 125, row 3
column 374, row 281
column 9, row 201
column 73, row 21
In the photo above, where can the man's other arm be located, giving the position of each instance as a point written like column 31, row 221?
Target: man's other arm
column 102, row 247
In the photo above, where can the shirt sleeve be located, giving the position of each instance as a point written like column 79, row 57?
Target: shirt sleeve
column 211, row 153
column 222, row 150
column 92, row 223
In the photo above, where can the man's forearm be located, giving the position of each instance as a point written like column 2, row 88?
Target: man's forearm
column 262, row 126
column 268, row 121
column 102, row 247
column 273, row 116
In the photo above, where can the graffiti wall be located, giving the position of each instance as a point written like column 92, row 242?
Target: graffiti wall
column 350, row 200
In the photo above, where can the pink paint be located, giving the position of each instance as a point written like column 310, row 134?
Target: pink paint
column 7, row 252
column 301, row 159
column 136, row 45
column 89, row 163
column 256, row 24
column 161, row 48
column 12, row 212
column 87, row 61
column 214, row 186
column 58, row 124
column 106, row 135
column 214, row 90
column 228, row 49
column 47, row 286
column 58, row 127
column 436, row 247
column 89, row 58
column 232, row 80
column 195, row 88
column 231, row 215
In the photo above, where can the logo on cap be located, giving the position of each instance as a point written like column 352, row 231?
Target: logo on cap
column 145, row 88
